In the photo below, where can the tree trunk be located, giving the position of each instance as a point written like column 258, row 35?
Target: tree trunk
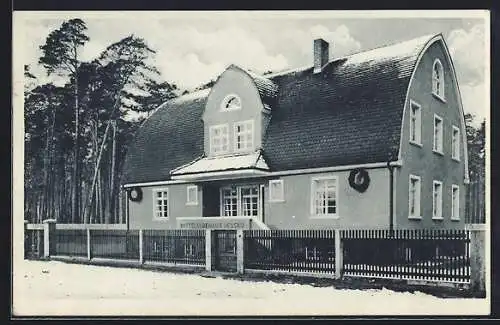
column 76, row 173
column 89, row 203
column 112, row 183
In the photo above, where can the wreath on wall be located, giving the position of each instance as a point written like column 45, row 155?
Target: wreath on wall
column 135, row 194
column 359, row 179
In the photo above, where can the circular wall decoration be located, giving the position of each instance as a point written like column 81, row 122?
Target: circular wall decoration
column 231, row 103
column 135, row 194
column 359, row 179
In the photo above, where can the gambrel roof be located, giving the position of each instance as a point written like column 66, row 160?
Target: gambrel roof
column 350, row 113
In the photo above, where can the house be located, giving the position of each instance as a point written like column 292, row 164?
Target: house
column 372, row 140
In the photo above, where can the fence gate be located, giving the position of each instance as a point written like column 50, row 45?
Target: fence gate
column 224, row 250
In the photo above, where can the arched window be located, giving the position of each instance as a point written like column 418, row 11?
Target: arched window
column 438, row 79
column 231, row 103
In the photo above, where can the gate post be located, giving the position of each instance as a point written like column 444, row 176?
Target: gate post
column 477, row 259
column 208, row 250
column 339, row 255
column 240, row 252
column 49, row 244
column 26, row 242
column 89, row 247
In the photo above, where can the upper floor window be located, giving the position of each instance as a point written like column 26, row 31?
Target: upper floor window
column 324, row 196
column 455, row 143
column 415, row 123
column 219, row 139
column 438, row 134
column 438, row 79
column 243, row 136
column 231, row 103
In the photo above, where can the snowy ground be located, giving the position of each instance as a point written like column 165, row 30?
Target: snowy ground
column 57, row 288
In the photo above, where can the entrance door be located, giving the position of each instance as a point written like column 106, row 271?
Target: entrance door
column 224, row 250
column 244, row 200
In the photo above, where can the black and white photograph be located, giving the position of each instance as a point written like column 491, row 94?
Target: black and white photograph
column 251, row 163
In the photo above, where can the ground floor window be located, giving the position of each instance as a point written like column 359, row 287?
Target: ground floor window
column 324, row 196
column 160, row 203
column 240, row 201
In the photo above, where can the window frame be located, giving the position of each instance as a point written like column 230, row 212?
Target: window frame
column 441, row 132
column 418, row 199
column 455, row 147
column 155, row 206
column 314, row 215
column 418, row 132
column 440, row 216
column 457, row 217
column 281, row 197
column 212, row 129
column 239, row 200
column 226, row 100
column 438, row 93
column 236, row 133
column 195, row 201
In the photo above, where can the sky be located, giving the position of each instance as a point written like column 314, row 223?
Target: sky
column 193, row 48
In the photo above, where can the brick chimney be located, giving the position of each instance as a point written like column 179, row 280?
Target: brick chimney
column 321, row 54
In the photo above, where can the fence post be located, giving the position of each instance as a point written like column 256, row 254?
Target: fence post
column 477, row 259
column 49, row 229
column 89, row 247
column 240, row 258
column 208, row 250
column 141, row 247
column 339, row 254
column 25, row 233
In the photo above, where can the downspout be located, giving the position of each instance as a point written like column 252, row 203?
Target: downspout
column 391, row 194
column 127, row 211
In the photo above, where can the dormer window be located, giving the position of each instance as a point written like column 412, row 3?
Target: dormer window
column 438, row 79
column 231, row 103
column 219, row 139
column 243, row 135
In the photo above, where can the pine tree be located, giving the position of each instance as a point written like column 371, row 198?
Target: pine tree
column 60, row 56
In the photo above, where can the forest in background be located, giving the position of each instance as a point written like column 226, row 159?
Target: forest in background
column 77, row 134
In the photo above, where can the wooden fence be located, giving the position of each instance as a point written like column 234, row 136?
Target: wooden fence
column 290, row 250
column 452, row 256
column 475, row 205
column 431, row 255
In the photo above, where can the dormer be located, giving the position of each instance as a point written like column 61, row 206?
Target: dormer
column 237, row 112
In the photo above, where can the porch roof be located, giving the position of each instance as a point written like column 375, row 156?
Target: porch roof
column 222, row 165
